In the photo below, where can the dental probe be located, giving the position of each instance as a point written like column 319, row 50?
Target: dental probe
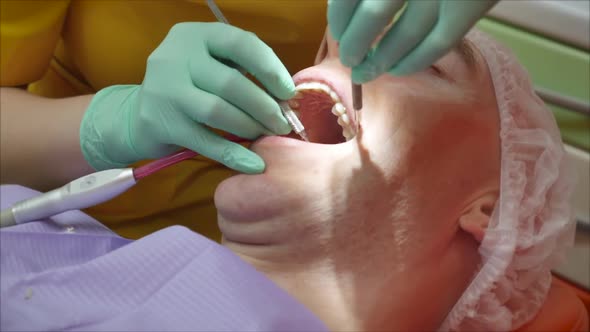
column 357, row 103
column 286, row 110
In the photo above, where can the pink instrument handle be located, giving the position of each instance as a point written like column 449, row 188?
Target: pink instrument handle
column 156, row 165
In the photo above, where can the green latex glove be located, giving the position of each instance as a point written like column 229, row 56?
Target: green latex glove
column 187, row 86
column 424, row 32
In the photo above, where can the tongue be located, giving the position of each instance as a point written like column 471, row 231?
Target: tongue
column 314, row 111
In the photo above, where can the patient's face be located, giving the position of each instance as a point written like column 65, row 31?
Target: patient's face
column 362, row 212
column 426, row 140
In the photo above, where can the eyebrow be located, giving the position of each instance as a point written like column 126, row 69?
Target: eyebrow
column 467, row 53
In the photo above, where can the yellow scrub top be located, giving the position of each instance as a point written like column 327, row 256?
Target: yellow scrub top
column 67, row 48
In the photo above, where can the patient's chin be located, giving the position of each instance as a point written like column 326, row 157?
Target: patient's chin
column 251, row 212
column 251, row 198
column 238, row 199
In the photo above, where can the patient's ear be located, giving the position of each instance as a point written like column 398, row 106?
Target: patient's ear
column 475, row 219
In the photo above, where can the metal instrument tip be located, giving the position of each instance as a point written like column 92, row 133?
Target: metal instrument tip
column 357, row 96
column 303, row 135
column 357, row 104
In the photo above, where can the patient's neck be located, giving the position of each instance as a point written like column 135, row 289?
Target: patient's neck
column 355, row 278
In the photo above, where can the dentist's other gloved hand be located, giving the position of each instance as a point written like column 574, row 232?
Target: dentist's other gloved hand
column 187, row 86
column 425, row 31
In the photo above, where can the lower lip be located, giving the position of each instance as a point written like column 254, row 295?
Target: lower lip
column 279, row 140
column 283, row 141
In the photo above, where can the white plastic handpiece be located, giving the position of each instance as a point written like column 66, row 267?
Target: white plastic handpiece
column 84, row 192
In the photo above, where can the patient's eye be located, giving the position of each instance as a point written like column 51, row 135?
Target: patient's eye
column 436, row 70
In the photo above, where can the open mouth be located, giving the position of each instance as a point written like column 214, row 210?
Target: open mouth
column 322, row 112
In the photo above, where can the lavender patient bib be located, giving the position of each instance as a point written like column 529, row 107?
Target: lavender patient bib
column 72, row 273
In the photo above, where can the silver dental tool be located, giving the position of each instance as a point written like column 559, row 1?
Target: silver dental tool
column 217, row 12
column 288, row 113
column 293, row 120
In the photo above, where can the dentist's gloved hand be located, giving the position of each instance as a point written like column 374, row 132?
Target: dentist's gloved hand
column 425, row 31
column 186, row 87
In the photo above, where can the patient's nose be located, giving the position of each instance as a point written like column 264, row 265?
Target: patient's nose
column 328, row 48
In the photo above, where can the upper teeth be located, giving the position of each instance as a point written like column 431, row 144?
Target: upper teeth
column 338, row 109
column 319, row 86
